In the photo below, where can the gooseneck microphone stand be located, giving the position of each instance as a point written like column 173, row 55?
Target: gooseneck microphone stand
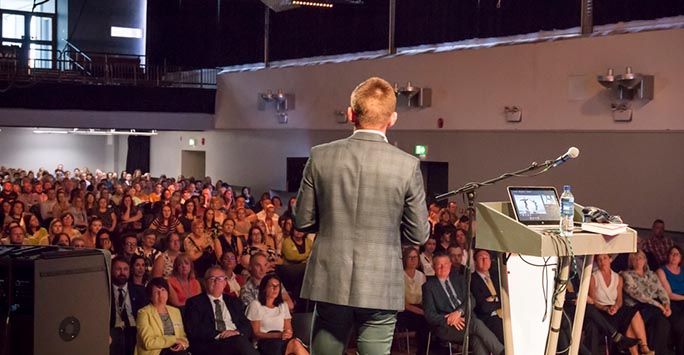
column 469, row 190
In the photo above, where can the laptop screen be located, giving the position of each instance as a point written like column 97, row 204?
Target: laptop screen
column 535, row 205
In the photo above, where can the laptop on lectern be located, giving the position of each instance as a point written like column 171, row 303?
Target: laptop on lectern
column 535, row 206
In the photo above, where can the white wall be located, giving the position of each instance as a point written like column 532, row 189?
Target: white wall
column 553, row 82
column 22, row 148
column 637, row 175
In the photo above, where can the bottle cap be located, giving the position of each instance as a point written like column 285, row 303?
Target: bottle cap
column 566, row 187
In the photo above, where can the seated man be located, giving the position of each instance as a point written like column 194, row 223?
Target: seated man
column 216, row 323
column 16, row 236
column 127, row 299
column 485, row 289
column 443, row 303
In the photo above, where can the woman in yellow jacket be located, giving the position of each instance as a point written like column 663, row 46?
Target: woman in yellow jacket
column 160, row 327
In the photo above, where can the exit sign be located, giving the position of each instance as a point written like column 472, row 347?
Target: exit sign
column 421, row 150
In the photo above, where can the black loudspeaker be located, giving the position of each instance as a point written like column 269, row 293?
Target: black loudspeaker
column 54, row 301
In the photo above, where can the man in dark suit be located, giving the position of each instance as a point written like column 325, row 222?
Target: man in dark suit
column 484, row 286
column 444, row 306
column 361, row 195
column 216, row 323
column 127, row 299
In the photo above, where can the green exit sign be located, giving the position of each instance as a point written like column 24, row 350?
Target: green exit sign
column 421, row 150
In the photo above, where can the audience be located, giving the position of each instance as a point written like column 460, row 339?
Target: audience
column 191, row 225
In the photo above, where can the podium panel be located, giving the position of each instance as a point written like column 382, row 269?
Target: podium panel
column 498, row 230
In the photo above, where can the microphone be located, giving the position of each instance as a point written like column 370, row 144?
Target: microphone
column 572, row 153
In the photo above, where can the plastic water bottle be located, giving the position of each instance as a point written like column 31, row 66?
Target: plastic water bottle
column 567, row 204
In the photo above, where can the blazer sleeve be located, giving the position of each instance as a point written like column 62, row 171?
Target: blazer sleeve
column 150, row 337
column 430, row 300
column 480, row 293
column 305, row 211
column 237, row 313
column 415, row 227
column 198, row 320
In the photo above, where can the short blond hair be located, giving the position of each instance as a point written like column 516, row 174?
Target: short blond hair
column 631, row 260
column 373, row 102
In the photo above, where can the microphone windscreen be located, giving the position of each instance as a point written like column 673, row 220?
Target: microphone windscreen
column 573, row 152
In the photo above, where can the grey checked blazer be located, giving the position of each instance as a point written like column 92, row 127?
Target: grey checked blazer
column 361, row 196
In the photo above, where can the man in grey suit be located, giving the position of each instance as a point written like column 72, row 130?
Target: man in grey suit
column 361, row 196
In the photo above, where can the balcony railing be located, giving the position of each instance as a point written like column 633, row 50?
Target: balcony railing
column 74, row 66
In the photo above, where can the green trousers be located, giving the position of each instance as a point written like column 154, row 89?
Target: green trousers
column 333, row 325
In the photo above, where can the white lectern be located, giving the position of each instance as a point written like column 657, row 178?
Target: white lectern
column 497, row 230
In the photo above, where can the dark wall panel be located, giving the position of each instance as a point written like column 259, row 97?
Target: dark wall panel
column 108, row 98
column 90, row 23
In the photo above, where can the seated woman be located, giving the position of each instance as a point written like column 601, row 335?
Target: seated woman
column 68, row 225
column 188, row 215
column 34, row 231
column 105, row 214
column 61, row 239
column 55, row 227
column 80, row 214
column 16, row 214
column 235, row 281
column 138, row 272
column 426, row 256
column 183, row 283
column 242, row 225
column 199, row 248
column 228, row 241
column 671, row 276
column 605, row 293
column 413, row 317
column 271, row 320
column 160, row 327
column 211, row 227
column 129, row 218
column 256, row 245
column 643, row 290
column 166, row 223
column 104, row 241
column 163, row 265
column 444, row 235
column 296, row 249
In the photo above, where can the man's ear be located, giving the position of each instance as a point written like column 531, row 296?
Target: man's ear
column 351, row 117
column 393, row 119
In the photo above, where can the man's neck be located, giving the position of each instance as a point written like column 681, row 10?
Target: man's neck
column 382, row 131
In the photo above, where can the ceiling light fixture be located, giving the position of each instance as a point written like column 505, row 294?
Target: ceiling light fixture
column 311, row 3
column 94, row 132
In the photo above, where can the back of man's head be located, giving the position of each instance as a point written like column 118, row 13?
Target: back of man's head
column 372, row 103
